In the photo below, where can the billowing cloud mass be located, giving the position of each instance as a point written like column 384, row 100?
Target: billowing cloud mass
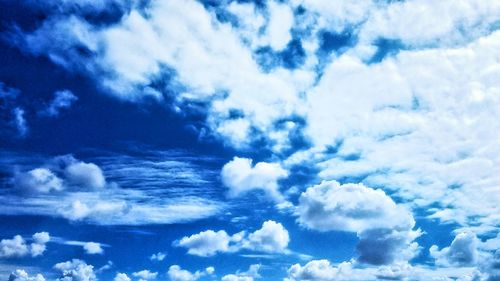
column 17, row 247
column 375, row 118
column 463, row 251
column 176, row 273
column 272, row 237
column 384, row 228
column 240, row 176
column 75, row 270
column 21, row 275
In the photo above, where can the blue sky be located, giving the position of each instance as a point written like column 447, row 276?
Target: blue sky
column 249, row 140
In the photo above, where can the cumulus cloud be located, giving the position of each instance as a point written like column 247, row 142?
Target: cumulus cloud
column 75, row 270
column 384, row 228
column 240, row 176
column 62, row 100
column 145, row 274
column 323, row 270
column 121, row 277
column 17, row 247
column 87, row 175
column 272, row 237
column 158, row 256
column 21, row 275
column 40, row 180
column 176, row 273
column 93, row 248
column 463, row 251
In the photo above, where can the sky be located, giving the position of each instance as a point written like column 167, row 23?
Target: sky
column 239, row 140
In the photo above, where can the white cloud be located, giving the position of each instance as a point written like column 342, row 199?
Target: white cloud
column 384, row 228
column 121, row 277
column 75, row 270
column 272, row 237
column 145, row 274
column 278, row 31
column 350, row 207
column 249, row 275
column 322, row 270
column 38, row 180
column 17, row 246
column 208, row 243
column 158, row 256
column 93, row 248
column 176, row 273
column 240, row 176
column 463, row 251
column 21, row 275
column 87, row 175
column 62, row 100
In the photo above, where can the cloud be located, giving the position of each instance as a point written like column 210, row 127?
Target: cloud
column 208, row 243
column 322, row 270
column 75, row 270
column 62, row 100
column 17, row 246
column 278, row 30
column 93, row 248
column 249, row 275
column 40, row 180
column 88, row 175
column 145, row 274
column 20, row 121
column 84, row 194
column 350, row 207
column 240, row 176
column 272, row 237
column 121, row 277
column 384, row 228
column 463, row 251
column 158, row 256
column 21, row 275
column 176, row 273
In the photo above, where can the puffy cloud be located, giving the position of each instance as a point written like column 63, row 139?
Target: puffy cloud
column 17, row 246
column 463, row 251
column 87, row 175
column 272, row 237
column 240, row 176
column 121, row 277
column 62, row 100
column 208, row 243
column 383, row 227
column 176, row 273
column 350, row 207
column 38, row 180
column 249, row 275
column 323, row 270
column 158, row 256
column 93, row 248
column 21, row 275
column 75, row 270
column 145, row 274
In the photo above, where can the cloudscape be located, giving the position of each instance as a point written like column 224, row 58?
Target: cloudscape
column 240, row 140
